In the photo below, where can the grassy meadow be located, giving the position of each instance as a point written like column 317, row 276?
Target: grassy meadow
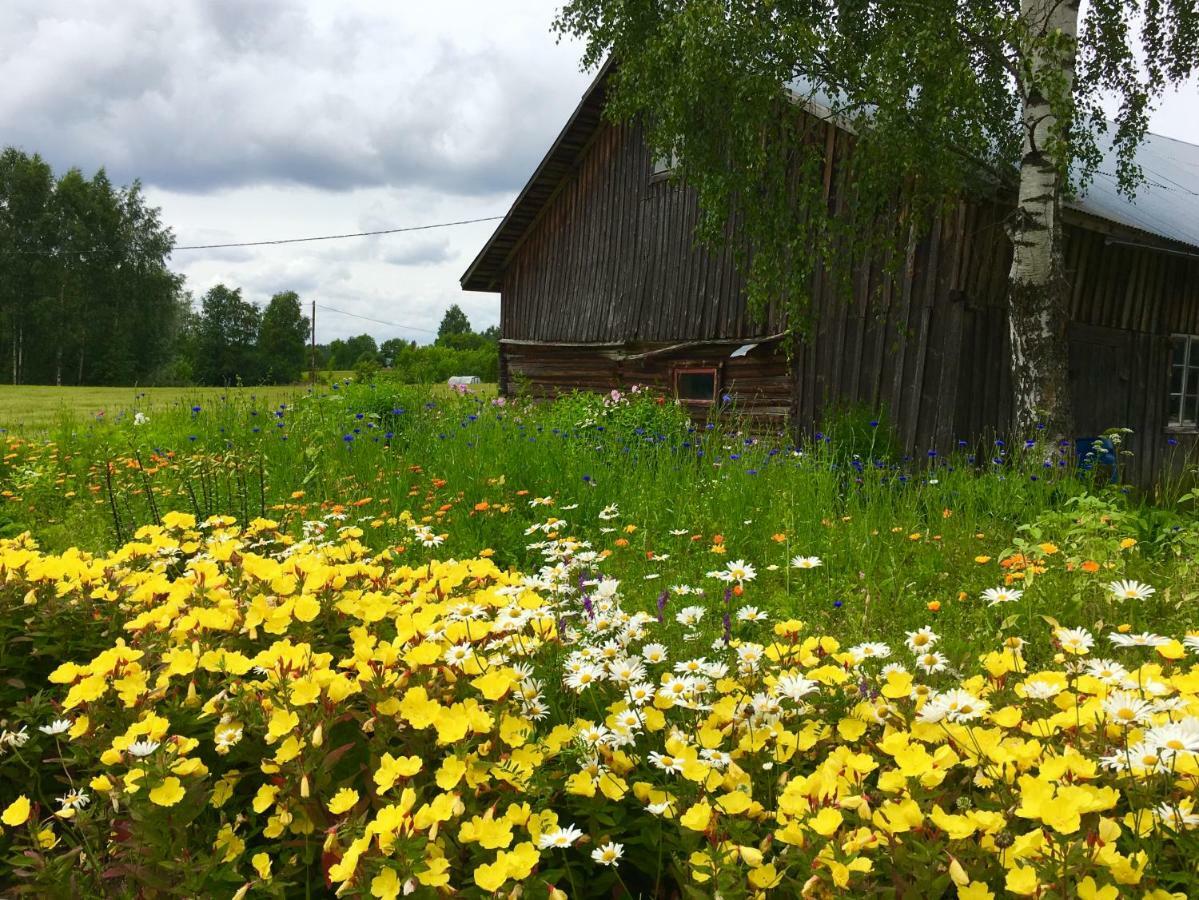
column 957, row 675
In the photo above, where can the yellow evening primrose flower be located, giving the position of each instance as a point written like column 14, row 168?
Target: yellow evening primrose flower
column 393, row 768
column 343, row 800
column 17, row 812
column 697, row 817
column 1089, row 890
column 1021, row 880
column 975, row 890
column 490, row 833
column 262, row 865
column 386, row 885
column 827, row 821
column 168, row 793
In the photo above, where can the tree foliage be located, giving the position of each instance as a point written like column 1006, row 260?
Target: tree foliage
column 86, row 296
column 282, row 338
column 453, row 322
column 227, row 344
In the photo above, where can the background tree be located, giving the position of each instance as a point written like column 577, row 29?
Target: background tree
column 86, row 296
column 453, row 322
column 282, row 339
column 227, row 341
column 943, row 96
column 26, row 190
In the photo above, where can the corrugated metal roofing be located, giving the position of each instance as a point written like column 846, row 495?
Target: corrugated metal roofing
column 1166, row 202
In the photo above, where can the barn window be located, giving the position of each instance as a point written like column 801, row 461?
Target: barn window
column 695, row 385
column 664, row 165
column 1184, row 381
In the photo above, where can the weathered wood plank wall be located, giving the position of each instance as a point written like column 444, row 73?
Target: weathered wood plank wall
column 613, row 259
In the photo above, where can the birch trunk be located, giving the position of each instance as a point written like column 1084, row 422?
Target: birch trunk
column 1037, row 285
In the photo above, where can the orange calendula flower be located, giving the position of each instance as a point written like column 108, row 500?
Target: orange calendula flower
column 1090, row 565
column 934, row 606
column 778, row 538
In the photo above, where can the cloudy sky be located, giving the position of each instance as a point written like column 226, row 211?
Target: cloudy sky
column 262, row 119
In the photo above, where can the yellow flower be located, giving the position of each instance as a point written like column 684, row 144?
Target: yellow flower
column 343, row 800
column 827, row 821
column 1089, row 890
column 168, row 793
column 17, row 812
column 262, row 865
column 437, row 873
column 765, row 877
column 1021, row 880
column 490, row 833
column 386, row 885
column 495, row 683
column 697, row 817
column 975, row 890
column 393, row 768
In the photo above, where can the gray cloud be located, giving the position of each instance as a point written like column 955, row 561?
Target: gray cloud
column 196, row 95
column 418, row 252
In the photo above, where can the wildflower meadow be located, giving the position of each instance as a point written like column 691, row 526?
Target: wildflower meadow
column 374, row 641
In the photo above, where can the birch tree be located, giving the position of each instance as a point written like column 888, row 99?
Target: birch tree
column 1004, row 98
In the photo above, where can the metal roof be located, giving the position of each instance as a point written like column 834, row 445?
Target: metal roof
column 1167, row 201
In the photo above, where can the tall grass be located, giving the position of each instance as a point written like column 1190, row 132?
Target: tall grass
column 894, row 534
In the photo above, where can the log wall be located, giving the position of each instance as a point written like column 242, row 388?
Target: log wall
column 611, row 264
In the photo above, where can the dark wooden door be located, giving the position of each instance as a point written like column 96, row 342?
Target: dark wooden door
column 1101, row 364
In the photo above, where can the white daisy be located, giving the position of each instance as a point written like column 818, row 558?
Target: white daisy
column 559, row 838
column 998, row 595
column 608, row 854
column 143, row 748
column 1131, row 590
column 805, row 562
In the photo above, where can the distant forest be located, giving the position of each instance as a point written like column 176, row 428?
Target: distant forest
column 87, row 298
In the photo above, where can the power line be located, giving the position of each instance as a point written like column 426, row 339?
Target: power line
column 376, row 321
column 272, row 243
column 336, row 237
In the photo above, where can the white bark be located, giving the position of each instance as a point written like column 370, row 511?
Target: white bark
column 1037, row 320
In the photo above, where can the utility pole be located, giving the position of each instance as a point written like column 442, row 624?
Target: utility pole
column 312, row 375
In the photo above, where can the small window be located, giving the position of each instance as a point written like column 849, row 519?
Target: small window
column 695, row 385
column 1184, row 381
column 664, row 165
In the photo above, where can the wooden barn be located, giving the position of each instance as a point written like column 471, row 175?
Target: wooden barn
column 602, row 285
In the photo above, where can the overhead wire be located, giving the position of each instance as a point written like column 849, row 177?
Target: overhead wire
column 278, row 241
column 376, row 321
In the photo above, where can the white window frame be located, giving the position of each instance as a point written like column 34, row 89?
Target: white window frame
column 662, row 166
column 1189, row 386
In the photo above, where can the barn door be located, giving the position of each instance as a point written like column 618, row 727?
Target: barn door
column 1101, row 361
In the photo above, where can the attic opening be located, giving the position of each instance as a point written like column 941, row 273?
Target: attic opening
column 696, row 386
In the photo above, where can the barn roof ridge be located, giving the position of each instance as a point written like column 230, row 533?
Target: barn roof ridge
column 1166, row 205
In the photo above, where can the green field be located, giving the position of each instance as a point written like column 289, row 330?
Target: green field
column 899, row 669
column 38, row 407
